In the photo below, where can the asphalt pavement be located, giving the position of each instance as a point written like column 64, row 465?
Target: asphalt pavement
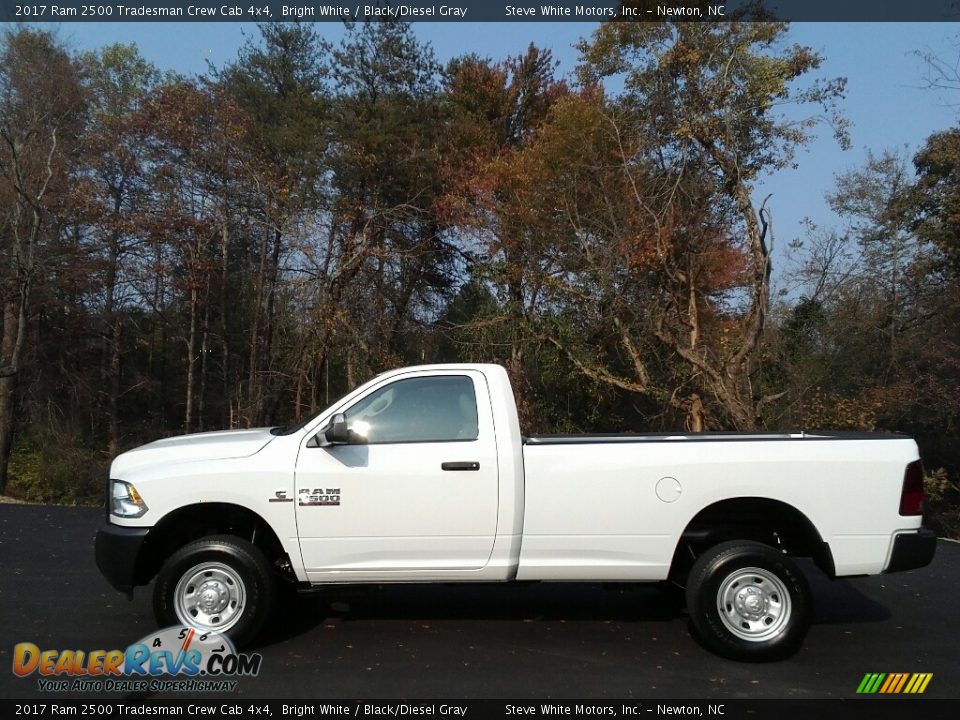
column 549, row 640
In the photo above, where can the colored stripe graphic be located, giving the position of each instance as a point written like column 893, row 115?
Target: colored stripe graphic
column 894, row 683
column 903, row 680
column 890, row 679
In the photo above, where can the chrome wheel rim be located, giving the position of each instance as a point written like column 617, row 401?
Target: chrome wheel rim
column 754, row 604
column 210, row 596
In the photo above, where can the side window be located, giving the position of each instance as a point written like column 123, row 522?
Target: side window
column 429, row 409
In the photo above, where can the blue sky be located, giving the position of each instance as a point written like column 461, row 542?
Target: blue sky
column 886, row 103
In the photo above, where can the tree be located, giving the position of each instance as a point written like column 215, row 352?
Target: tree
column 873, row 343
column 116, row 193
column 938, row 193
column 386, row 181
column 281, row 84
column 875, row 202
column 703, row 101
column 495, row 111
column 194, row 137
column 41, row 114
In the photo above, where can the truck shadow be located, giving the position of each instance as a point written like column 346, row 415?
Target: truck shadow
column 517, row 602
column 835, row 602
column 841, row 601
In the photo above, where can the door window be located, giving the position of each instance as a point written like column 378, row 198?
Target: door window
column 442, row 408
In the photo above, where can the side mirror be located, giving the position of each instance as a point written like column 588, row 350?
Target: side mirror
column 337, row 432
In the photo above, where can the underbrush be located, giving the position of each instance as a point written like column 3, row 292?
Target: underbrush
column 56, row 468
column 942, row 511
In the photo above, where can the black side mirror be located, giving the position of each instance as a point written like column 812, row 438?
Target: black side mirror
column 337, row 432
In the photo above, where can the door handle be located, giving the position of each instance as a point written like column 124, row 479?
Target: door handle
column 461, row 465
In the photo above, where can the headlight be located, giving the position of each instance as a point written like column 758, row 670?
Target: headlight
column 125, row 501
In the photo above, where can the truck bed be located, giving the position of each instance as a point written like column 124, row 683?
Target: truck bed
column 616, row 505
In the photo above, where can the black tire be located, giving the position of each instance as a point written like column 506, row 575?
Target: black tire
column 748, row 602
column 223, row 574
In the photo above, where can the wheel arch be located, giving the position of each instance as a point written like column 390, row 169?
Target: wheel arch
column 761, row 519
column 191, row 522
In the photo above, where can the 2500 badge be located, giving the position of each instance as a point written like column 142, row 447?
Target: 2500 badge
column 319, row 496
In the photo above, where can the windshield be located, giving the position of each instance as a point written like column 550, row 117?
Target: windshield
column 291, row 429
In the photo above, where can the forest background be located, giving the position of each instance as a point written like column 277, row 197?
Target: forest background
column 239, row 248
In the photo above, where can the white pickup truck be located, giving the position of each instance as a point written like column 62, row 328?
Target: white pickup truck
column 422, row 475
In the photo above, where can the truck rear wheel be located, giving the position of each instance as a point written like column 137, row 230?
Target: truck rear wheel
column 219, row 583
column 748, row 602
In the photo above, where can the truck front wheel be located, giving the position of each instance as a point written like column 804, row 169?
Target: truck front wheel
column 748, row 602
column 219, row 583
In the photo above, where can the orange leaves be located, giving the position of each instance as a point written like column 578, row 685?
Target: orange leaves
column 641, row 250
column 827, row 411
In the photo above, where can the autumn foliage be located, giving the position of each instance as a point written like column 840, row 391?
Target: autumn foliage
column 238, row 249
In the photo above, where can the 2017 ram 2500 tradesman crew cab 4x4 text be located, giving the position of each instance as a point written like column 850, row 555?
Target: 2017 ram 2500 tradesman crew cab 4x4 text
column 422, row 475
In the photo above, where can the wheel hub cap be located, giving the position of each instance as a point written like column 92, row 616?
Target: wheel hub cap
column 210, row 596
column 751, row 602
column 213, row 597
column 754, row 604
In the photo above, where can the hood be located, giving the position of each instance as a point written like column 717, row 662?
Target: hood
column 220, row 445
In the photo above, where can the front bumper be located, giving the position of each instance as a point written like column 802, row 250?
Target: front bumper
column 912, row 550
column 117, row 549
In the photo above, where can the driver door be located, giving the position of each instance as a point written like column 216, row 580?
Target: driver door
column 415, row 490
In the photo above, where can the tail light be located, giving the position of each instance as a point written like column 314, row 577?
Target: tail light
column 911, row 499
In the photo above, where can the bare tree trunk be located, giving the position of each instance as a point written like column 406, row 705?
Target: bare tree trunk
column 13, row 340
column 298, row 393
column 515, row 362
column 695, row 419
column 204, row 352
column 116, row 339
column 314, row 392
column 695, row 412
column 253, row 394
column 224, row 337
column 693, row 313
column 15, row 312
column 270, row 320
column 158, row 338
column 111, row 365
column 8, row 387
column 198, row 274
column 191, row 349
